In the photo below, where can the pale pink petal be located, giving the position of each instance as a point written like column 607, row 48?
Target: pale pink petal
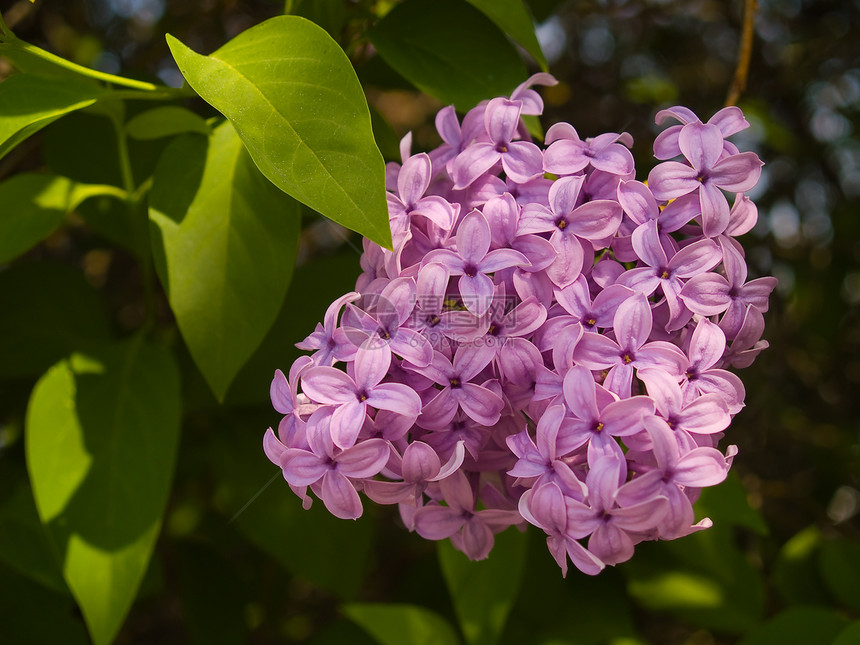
column 339, row 496
column 701, row 144
column 414, row 178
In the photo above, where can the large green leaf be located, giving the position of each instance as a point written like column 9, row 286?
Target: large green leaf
column 296, row 103
column 449, row 50
column 484, row 592
column 225, row 240
column 101, row 438
column 49, row 311
column 513, row 17
column 34, row 205
column 28, row 103
column 396, row 624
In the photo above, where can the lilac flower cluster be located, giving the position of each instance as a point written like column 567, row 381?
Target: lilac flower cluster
column 547, row 342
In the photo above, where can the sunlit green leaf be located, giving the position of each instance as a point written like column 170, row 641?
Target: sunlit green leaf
column 34, row 205
column 101, row 438
column 449, row 50
column 296, row 103
column 224, row 239
column 483, row 592
column 512, row 17
column 49, row 311
column 165, row 121
column 28, row 103
column 395, row 624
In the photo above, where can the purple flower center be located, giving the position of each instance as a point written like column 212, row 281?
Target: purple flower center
column 455, row 383
column 501, row 148
column 598, row 426
column 361, row 395
column 665, row 274
column 627, row 358
column 470, row 270
column 561, row 223
column 432, row 320
column 383, row 333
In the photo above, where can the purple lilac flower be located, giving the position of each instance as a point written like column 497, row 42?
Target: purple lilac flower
column 474, row 260
column 706, row 172
column 570, row 225
column 351, row 396
column 557, row 351
column 521, row 160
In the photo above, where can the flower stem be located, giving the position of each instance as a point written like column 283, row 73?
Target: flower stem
column 739, row 82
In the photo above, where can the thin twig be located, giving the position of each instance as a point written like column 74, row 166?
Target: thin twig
column 739, row 82
column 256, row 495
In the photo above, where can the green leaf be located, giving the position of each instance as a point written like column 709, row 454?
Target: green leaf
column 34, row 205
column 840, row 567
column 253, row 496
column 224, row 240
column 29, row 103
column 797, row 626
column 314, row 287
column 850, row 635
column 513, row 17
column 296, row 103
column 702, row 578
column 577, row 606
column 728, row 503
column 101, row 438
column 49, row 311
column 796, row 573
column 33, row 615
column 396, row 624
column 386, row 137
column 24, row 544
column 331, row 15
column 484, row 592
column 449, row 50
column 165, row 121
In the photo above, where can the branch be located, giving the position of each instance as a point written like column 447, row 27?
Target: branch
column 739, row 82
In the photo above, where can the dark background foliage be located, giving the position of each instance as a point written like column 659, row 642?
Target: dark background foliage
column 218, row 576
